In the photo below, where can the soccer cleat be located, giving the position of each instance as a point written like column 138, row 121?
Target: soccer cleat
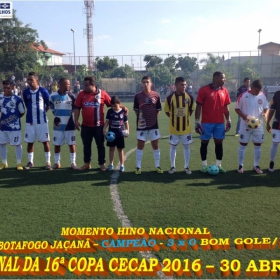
column 102, row 167
column 138, row 171
column 203, row 169
column 56, row 166
column 110, row 167
column 19, row 167
column 74, row 166
column 122, row 168
column 86, row 166
column 240, row 169
column 48, row 166
column 221, row 169
column 271, row 166
column 187, row 170
column 172, row 170
column 236, row 134
column 29, row 165
column 3, row 166
column 159, row 170
column 258, row 169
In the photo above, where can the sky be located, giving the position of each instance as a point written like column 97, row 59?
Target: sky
column 154, row 27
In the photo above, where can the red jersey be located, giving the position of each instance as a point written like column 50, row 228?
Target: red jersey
column 92, row 105
column 213, row 101
column 147, row 107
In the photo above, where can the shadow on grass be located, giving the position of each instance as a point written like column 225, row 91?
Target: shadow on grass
column 11, row 178
column 229, row 181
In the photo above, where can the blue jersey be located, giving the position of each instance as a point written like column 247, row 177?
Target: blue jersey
column 62, row 106
column 116, row 121
column 11, row 108
column 36, row 102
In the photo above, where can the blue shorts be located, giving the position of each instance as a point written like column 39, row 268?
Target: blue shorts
column 217, row 130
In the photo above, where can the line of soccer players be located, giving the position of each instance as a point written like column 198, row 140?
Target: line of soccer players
column 212, row 119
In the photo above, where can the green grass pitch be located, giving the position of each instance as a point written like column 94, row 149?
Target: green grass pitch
column 36, row 204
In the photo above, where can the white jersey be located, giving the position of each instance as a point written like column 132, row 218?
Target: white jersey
column 252, row 106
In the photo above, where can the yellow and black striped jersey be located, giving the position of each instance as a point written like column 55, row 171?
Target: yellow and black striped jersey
column 180, row 108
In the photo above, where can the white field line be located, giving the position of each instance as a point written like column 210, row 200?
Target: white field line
column 120, row 212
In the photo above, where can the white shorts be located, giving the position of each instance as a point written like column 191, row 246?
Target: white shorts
column 12, row 137
column 257, row 135
column 61, row 137
column 152, row 134
column 36, row 131
column 174, row 139
column 275, row 135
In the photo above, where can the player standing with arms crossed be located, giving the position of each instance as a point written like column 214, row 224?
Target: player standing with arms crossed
column 179, row 107
column 274, row 110
column 37, row 103
column 147, row 106
column 62, row 106
column 213, row 101
column 12, row 109
column 252, row 103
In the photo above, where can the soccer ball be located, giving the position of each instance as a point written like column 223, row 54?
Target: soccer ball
column 125, row 133
column 110, row 136
column 253, row 123
column 213, row 169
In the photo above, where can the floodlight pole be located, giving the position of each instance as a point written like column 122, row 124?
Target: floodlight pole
column 73, row 30
column 259, row 51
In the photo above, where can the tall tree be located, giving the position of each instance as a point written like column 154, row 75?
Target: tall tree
column 187, row 64
column 247, row 69
column 170, row 61
column 106, row 64
column 16, row 40
column 152, row 61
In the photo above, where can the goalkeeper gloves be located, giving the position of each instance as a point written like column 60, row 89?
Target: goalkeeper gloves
column 228, row 126
column 198, row 127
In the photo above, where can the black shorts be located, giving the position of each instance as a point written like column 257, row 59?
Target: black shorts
column 119, row 142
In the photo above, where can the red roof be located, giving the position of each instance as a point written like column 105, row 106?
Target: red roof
column 41, row 49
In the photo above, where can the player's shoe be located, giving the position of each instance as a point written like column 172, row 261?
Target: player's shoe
column 221, row 169
column 271, row 166
column 159, row 170
column 258, row 169
column 110, row 167
column 237, row 134
column 56, row 166
column 29, row 165
column 19, row 167
column 48, row 166
column 172, row 170
column 122, row 169
column 74, row 166
column 86, row 166
column 3, row 166
column 102, row 167
column 240, row 169
column 138, row 171
column 203, row 169
column 187, row 170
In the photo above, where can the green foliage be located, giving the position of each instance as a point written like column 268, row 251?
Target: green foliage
column 187, row 64
column 212, row 65
column 152, row 61
column 16, row 39
column 125, row 71
column 161, row 75
column 170, row 61
column 106, row 64
column 247, row 69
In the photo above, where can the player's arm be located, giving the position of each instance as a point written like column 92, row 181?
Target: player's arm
column 226, row 114
column 21, row 109
column 77, row 115
column 105, row 127
column 158, row 105
column 126, row 125
column 198, row 126
column 198, row 111
column 166, row 108
column 243, row 116
column 268, row 119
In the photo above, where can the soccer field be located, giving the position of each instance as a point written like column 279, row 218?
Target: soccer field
column 37, row 203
